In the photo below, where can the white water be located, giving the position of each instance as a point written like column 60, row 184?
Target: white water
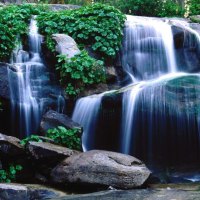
column 86, row 113
column 150, row 109
column 29, row 82
column 148, row 49
column 149, row 43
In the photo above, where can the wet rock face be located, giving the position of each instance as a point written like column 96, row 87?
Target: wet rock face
column 52, row 119
column 178, row 34
column 4, row 84
column 184, row 94
column 102, row 167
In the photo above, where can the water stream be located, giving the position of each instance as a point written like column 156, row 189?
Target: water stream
column 31, row 87
column 160, row 115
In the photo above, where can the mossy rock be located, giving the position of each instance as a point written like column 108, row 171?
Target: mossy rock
column 195, row 18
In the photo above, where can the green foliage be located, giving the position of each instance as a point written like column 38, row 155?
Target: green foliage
column 171, row 9
column 195, row 19
column 31, row 138
column 14, row 23
column 69, row 138
column 97, row 25
column 80, row 71
column 8, row 175
column 150, row 8
column 194, row 7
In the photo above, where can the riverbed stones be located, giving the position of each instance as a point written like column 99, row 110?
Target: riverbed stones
column 102, row 167
column 66, row 45
column 53, row 119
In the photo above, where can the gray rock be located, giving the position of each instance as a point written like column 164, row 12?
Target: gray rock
column 66, row 45
column 58, row 7
column 102, row 167
column 47, row 151
column 27, row 192
column 96, row 89
column 52, row 119
column 10, row 146
column 4, row 84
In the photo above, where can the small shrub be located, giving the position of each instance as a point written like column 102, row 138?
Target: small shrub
column 80, row 71
column 9, row 174
column 69, row 138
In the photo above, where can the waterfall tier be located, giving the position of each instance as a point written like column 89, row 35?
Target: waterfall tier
column 32, row 85
column 156, row 118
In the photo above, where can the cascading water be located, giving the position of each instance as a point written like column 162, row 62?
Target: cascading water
column 159, row 110
column 148, row 49
column 152, row 111
column 29, row 80
column 86, row 113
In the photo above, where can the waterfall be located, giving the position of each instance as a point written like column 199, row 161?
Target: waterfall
column 148, row 48
column 29, row 80
column 159, row 109
column 86, row 113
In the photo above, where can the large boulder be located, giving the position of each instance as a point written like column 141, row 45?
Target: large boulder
column 46, row 152
column 10, row 146
column 102, row 167
column 53, row 119
column 4, row 83
column 27, row 192
column 65, row 45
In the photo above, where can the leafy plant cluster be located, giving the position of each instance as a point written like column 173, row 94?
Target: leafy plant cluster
column 97, row 25
column 31, row 138
column 194, row 7
column 14, row 23
column 70, row 138
column 79, row 72
column 8, row 175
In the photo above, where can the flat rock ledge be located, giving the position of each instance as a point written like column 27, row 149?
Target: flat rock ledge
column 101, row 167
column 28, row 192
column 45, row 150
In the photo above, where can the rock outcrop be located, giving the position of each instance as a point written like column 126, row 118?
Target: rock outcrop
column 102, row 167
column 4, row 83
column 45, row 152
column 52, row 119
column 66, row 45
column 10, row 146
